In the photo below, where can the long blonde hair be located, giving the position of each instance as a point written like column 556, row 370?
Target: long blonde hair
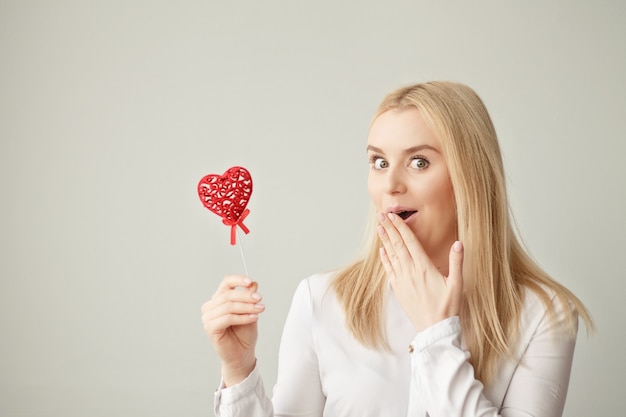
column 496, row 268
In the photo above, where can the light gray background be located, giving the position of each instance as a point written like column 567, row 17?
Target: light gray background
column 111, row 111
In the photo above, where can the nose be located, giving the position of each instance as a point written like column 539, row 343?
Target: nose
column 395, row 181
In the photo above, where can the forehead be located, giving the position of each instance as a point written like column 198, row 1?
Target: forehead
column 401, row 128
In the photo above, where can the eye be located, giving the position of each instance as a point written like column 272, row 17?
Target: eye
column 419, row 163
column 379, row 162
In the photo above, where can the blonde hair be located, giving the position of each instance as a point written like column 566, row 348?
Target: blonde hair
column 496, row 268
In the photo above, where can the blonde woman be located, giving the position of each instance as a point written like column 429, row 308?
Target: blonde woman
column 444, row 315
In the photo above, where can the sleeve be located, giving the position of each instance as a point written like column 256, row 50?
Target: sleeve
column 246, row 399
column 539, row 385
column 444, row 381
column 298, row 389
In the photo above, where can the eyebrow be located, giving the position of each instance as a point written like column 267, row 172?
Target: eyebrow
column 406, row 151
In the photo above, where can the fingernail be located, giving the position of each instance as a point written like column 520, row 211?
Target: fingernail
column 391, row 216
column 256, row 296
column 458, row 246
column 381, row 217
column 259, row 306
column 247, row 280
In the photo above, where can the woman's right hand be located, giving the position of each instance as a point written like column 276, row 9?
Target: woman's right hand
column 230, row 320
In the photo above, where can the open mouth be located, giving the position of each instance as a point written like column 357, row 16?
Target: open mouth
column 406, row 214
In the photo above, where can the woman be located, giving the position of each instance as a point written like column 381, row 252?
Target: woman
column 444, row 315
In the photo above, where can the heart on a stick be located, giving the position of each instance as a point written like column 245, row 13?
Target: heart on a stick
column 227, row 196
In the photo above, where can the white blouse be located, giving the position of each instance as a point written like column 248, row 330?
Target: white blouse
column 324, row 371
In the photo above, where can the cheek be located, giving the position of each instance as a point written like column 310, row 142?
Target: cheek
column 448, row 206
column 441, row 192
column 446, row 196
column 372, row 188
column 440, row 196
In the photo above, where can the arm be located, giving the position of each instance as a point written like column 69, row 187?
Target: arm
column 298, row 389
column 230, row 320
column 245, row 399
column 443, row 378
column 540, row 382
column 538, row 386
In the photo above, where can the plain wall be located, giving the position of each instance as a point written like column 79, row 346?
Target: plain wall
column 111, row 111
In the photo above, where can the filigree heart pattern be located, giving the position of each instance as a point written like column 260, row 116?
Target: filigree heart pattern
column 227, row 195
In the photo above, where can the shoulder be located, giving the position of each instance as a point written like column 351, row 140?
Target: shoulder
column 318, row 284
column 545, row 313
column 315, row 285
column 545, row 301
column 316, row 292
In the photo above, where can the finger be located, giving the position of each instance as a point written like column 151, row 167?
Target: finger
column 231, row 296
column 395, row 246
column 384, row 259
column 233, row 281
column 217, row 313
column 388, row 254
column 454, row 281
column 222, row 323
column 391, row 238
column 455, row 271
column 228, row 299
column 229, row 289
column 384, row 239
column 231, row 307
column 413, row 245
column 253, row 287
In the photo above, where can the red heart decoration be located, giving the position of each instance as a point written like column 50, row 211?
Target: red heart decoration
column 227, row 196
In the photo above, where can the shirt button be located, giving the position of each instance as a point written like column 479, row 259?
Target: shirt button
column 411, row 349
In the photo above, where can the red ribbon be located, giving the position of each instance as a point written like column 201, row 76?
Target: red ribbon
column 233, row 226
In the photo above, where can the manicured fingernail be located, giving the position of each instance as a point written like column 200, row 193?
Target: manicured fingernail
column 256, row 296
column 259, row 306
column 381, row 217
column 247, row 280
column 391, row 216
column 458, row 246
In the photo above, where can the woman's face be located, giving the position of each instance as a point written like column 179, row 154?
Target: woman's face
column 409, row 176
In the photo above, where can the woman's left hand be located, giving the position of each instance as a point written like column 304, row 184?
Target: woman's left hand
column 426, row 295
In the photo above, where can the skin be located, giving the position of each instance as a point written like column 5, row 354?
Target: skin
column 230, row 320
column 420, row 254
